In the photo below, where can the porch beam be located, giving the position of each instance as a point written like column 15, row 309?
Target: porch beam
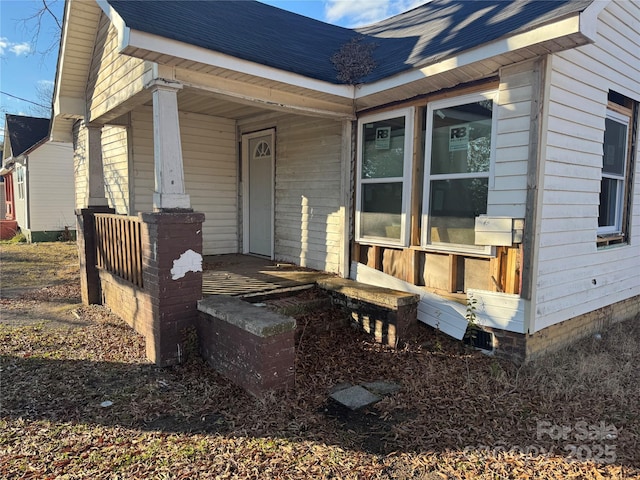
column 95, row 170
column 167, row 148
column 251, row 94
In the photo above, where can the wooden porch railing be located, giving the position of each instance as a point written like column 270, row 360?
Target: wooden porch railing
column 119, row 246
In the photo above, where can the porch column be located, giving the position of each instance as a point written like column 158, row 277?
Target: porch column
column 167, row 149
column 96, row 202
column 95, row 169
column 346, row 182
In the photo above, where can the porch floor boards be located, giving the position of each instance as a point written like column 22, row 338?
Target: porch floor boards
column 247, row 276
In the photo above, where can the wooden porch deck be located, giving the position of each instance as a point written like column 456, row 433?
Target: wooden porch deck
column 248, row 276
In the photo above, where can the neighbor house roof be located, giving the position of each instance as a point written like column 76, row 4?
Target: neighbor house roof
column 24, row 132
column 270, row 36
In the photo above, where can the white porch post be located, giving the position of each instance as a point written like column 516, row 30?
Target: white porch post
column 167, row 149
column 345, row 197
column 95, row 183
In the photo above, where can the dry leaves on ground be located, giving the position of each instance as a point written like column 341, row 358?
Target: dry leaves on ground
column 459, row 414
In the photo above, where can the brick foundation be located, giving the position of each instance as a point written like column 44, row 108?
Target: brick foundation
column 556, row 336
column 251, row 346
column 523, row 348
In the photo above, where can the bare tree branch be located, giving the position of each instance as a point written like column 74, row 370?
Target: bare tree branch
column 34, row 24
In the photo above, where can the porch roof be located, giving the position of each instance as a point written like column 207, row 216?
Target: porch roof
column 266, row 35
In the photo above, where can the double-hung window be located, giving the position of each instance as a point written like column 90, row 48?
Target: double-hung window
column 20, row 181
column 616, row 167
column 385, row 153
column 459, row 155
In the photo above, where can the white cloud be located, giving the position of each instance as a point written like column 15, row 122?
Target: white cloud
column 16, row 48
column 363, row 12
column 45, row 83
column 20, row 48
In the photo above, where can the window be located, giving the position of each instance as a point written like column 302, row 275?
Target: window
column 20, row 181
column 385, row 152
column 617, row 163
column 459, row 154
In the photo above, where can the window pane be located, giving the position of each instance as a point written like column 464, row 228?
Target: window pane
column 383, row 148
column 454, row 205
column 615, row 146
column 461, row 139
column 608, row 202
column 381, row 211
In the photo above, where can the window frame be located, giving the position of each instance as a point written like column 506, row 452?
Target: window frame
column 618, row 229
column 20, row 175
column 405, row 221
column 428, row 178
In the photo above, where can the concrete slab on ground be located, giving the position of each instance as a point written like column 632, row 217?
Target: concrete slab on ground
column 355, row 397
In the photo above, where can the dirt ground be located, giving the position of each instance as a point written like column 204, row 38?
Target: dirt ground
column 79, row 400
column 40, row 285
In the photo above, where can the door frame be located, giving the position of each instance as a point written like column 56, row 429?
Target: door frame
column 246, row 137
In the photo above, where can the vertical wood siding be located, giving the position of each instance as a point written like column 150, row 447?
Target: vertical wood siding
column 308, row 224
column 210, row 168
column 573, row 276
column 51, row 197
column 113, row 78
column 115, row 160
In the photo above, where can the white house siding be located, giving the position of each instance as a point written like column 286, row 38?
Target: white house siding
column 115, row 160
column 308, row 220
column 51, row 197
column 210, row 169
column 113, row 78
column 20, row 204
column 573, row 276
column 507, row 197
column 80, row 165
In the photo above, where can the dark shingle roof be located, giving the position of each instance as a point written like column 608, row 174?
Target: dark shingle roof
column 25, row 132
column 442, row 28
column 270, row 36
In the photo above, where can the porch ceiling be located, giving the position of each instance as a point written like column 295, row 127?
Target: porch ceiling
column 207, row 103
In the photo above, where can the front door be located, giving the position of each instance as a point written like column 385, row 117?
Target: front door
column 258, row 167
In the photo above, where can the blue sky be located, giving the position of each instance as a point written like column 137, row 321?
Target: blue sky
column 25, row 71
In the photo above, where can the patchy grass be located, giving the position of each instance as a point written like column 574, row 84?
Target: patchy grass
column 37, row 264
column 459, row 414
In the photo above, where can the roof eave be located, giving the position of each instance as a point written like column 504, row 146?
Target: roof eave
column 570, row 26
column 149, row 44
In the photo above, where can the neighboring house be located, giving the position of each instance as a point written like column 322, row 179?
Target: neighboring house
column 488, row 161
column 39, row 180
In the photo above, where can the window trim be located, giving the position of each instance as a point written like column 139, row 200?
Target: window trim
column 20, row 176
column 428, row 178
column 405, row 218
column 618, row 229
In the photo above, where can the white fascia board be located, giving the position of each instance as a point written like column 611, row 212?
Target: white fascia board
column 589, row 19
column 165, row 46
column 117, row 21
column 567, row 26
column 61, row 57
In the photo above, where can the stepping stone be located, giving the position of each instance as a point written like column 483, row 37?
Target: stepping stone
column 381, row 387
column 355, row 397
